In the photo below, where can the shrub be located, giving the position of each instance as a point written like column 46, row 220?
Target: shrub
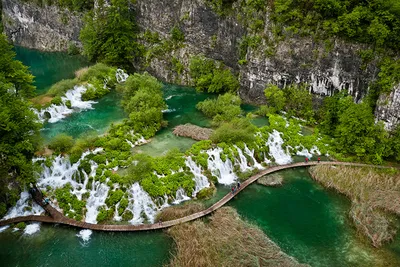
column 205, row 193
column 225, row 108
column 61, row 143
column 238, row 130
column 56, row 100
column 61, row 87
column 20, row 225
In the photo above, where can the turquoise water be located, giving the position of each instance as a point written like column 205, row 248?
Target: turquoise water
column 94, row 121
column 59, row 246
column 311, row 223
column 49, row 67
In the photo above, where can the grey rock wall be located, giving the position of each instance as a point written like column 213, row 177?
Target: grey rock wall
column 388, row 108
column 46, row 28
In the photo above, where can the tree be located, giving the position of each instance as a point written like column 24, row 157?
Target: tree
column 275, row 98
column 19, row 131
column 109, row 34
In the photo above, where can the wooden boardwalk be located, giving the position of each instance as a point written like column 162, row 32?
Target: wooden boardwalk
column 57, row 217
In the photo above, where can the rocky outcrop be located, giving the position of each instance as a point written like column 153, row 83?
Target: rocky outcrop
column 47, row 28
column 302, row 60
column 205, row 33
column 388, row 108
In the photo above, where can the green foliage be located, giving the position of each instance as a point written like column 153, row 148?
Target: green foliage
column 223, row 109
column 238, row 130
column 212, row 77
column 142, row 99
column 61, row 87
column 73, row 49
column 177, row 35
column 276, row 98
column 104, row 214
column 56, row 101
column 61, row 143
column 19, row 131
column 20, row 225
column 168, row 185
column 375, row 22
column 141, row 168
column 109, row 34
column 173, row 160
column 299, row 102
column 114, row 197
column 205, row 193
column 67, row 201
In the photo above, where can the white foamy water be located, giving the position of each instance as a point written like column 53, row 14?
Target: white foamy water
column 180, row 196
column 276, row 151
column 59, row 112
column 97, row 198
column 242, row 161
column 222, row 170
column 23, row 208
column 303, row 152
column 250, row 153
column 30, row 229
column 200, row 180
column 140, row 202
column 85, row 235
column 121, row 76
column 3, row 228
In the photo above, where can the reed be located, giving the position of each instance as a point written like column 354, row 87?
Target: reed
column 375, row 196
column 226, row 240
column 177, row 212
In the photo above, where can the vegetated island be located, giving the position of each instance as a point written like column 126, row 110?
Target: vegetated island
column 374, row 194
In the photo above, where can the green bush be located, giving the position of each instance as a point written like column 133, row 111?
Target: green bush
column 205, row 193
column 61, row 143
column 238, row 130
column 61, row 87
column 211, row 77
column 114, row 197
column 177, row 35
column 223, row 109
column 56, row 100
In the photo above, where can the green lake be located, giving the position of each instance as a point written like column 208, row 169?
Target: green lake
column 305, row 220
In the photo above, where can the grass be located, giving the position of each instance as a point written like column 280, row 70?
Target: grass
column 177, row 212
column 226, row 240
column 374, row 193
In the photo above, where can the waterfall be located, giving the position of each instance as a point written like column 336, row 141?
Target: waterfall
column 242, row 161
column 140, row 202
column 59, row 112
column 97, row 198
column 250, row 153
column 22, row 208
column 180, row 196
column 32, row 228
column 3, row 228
column 222, row 170
column 121, row 76
column 275, row 143
column 117, row 218
column 303, row 152
column 200, row 180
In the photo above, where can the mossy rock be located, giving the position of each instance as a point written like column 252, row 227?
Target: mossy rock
column 21, row 225
column 206, row 193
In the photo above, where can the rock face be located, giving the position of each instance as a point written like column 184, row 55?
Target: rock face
column 388, row 108
column 47, row 28
column 301, row 60
column 205, row 33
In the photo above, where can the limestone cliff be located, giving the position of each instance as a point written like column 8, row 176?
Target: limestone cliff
column 388, row 108
column 47, row 28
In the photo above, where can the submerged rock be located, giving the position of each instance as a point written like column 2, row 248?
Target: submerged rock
column 271, row 180
column 193, row 131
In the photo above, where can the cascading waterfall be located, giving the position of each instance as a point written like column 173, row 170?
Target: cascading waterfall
column 180, row 196
column 220, row 169
column 32, row 228
column 276, row 151
column 97, row 198
column 250, row 153
column 22, row 208
column 59, row 112
column 302, row 151
column 200, row 180
column 141, row 203
column 242, row 161
column 121, row 76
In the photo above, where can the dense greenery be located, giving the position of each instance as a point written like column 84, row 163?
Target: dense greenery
column 376, row 21
column 293, row 99
column 223, row 109
column 18, row 127
column 142, row 99
column 109, row 34
column 213, row 77
column 237, row 130
column 61, row 143
column 71, row 205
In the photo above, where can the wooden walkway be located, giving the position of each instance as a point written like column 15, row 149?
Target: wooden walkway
column 57, row 217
